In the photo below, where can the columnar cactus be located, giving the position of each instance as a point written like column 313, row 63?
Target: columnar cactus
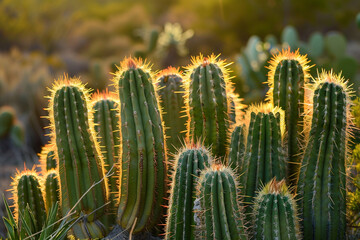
column 83, row 184
column 264, row 156
column 220, row 214
column 287, row 78
column 7, row 119
column 275, row 213
column 188, row 165
column 51, row 189
column 322, row 182
column 237, row 149
column 171, row 93
column 208, row 105
column 27, row 192
column 143, row 160
column 106, row 118
column 47, row 157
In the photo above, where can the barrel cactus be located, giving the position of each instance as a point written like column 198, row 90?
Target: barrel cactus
column 208, row 105
column 189, row 162
column 322, row 182
column 143, row 160
column 105, row 108
column 83, row 184
column 288, row 75
column 275, row 213
column 220, row 214
column 27, row 193
column 171, row 92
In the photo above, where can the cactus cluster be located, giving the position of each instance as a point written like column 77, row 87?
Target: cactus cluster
column 233, row 177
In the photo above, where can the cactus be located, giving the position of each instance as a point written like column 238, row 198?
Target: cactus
column 275, row 213
column 208, row 105
column 106, row 118
column 220, row 215
column 188, row 165
column 171, row 92
column 264, row 155
column 17, row 134
column 51, row 189
column 236, row 113
column 322, row 182
column 7, row 118
column 290, row 37
column 143, row 161
column 47, row 158
column 287, row 78
column 27, row 193
column 83, row 184
column 237, row 149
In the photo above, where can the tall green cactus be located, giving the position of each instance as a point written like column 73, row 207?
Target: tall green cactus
column 82, row 178
column 237, row 149
column 322, row 182
column 287, row 78
column 171, row 93
column 275, row 213
column 143, row 161
column 208, row 105
column 106, row 118
column 264, row 155
column 188, row 165
column 27, row 192
column 220, row 214
column 51, row 189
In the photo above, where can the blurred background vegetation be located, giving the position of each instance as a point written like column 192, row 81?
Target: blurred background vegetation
column 42, row 39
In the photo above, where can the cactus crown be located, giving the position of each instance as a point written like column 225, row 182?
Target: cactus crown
column 169, row 71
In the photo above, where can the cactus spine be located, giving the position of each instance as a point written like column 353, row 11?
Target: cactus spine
column 80, row 163
column 237, row 149
column 27, row 193
column 264, row 156
column 287, row 78
column 171, row 93
column 188, row 165
column 208, row 104
column 275, row 213
column 322, row 181
column 143, row 164
column 106, row 118
column 220, row 215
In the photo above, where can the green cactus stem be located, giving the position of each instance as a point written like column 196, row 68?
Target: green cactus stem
column 47, row 158
column 190, row 161
column 322, row 182
column 275, row 213
column 237, row 149
column 264, row 155
column 106, row 118
column 287, row 78
column 7, row 118
column 143, row 161
column 171, row 93
column 27, row 192
column 208, row 105
column 82, row 178
column 52, row 189
column 220, row 214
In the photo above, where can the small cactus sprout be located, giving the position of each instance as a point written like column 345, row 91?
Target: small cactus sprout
column 47, row 158
column 288, row 75
column 275, row 213
column 220, row 214
column 27, row 193
column 264, row 155
column 208, row 105
column 171, row 93
column 322, row 183
column 105, row 108
column 83, row 184
column 237, row 149
column 51, row 189
column 143, row 164
column 189, row 162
